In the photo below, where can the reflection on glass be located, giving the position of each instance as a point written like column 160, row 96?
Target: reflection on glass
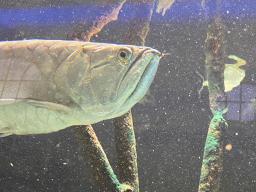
column 241, row 103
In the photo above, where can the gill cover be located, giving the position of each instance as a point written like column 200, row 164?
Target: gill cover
column 91, row 75
column 73, row 76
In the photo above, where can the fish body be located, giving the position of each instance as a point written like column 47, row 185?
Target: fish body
column 48, row 85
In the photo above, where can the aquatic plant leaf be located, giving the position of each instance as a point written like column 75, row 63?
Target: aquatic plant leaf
column 233, row 74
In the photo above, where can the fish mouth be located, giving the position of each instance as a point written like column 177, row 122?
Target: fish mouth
column 129, row 70
column 132, row 65
column 141, row 80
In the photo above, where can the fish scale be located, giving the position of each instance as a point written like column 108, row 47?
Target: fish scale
column 48, row 85
column 38, row 53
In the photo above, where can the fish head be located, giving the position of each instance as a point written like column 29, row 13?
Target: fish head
column 121, row 76
column 106, row 80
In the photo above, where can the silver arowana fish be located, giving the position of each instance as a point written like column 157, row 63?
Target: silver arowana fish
column 48, row 85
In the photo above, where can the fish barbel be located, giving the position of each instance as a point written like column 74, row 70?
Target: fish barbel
column 48, row 85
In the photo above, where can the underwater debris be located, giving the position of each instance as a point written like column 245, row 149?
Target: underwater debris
column 228, row 147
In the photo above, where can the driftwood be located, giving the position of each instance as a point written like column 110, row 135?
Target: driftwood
column 85, row 30
column 215, row 52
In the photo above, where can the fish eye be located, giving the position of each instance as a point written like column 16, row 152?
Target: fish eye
column 124, row 55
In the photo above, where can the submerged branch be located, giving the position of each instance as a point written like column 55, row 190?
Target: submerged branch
column 85, row 30
column 213, row 155
column 126, row 150
column 138, row 29
column 102, row 173
column 124, row 130
column 215, row 52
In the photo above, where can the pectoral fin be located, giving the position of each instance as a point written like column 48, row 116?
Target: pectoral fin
column 49, row 105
